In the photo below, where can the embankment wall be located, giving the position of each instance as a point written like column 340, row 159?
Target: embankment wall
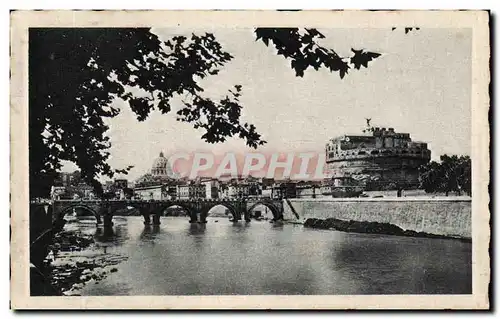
column 440, row 216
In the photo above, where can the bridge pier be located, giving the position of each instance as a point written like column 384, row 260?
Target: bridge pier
column 108, row 221
column 107, row 216
column 247, row 216
column 102, row 212
column 204, row 215
column 156, row 219
column 147, row 219
column 193, row 218
column 236, row 217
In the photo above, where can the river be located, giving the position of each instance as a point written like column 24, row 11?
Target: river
column 221, row 257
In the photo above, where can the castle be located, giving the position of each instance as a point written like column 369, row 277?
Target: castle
column 384, row 160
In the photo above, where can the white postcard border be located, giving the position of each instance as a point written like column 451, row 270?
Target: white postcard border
column 477, row 20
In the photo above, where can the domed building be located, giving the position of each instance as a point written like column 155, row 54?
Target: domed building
column 161, row 167
column 160, row 173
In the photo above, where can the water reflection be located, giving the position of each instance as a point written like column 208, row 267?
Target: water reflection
column 378, row 264
column 277, row 225
column 241, row 224
column 110, row 235
column 197, row 228
column 179, row 258
column 104, row 234
column 149, row 232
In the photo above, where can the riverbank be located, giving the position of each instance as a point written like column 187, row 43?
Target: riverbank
column 352, row 226
column 74, row 259
column 449, row 217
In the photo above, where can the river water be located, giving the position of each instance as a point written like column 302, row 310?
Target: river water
column 221, row 257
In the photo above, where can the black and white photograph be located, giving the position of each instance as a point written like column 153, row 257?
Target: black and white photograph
column 250, row 159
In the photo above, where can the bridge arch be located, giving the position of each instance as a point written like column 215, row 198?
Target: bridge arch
column 232, row 210
column 60, row 215
column 189, row 210
column 274, row 210
column 164, row 210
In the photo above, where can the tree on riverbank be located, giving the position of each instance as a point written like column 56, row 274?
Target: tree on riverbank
column 75, row 75
column 451, row 174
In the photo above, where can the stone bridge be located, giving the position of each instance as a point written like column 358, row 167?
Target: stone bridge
column 196, row 209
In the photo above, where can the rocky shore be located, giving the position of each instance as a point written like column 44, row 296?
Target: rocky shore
column 74, row 260
column 369, row 228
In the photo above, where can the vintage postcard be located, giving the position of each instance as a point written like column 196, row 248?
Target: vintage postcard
column 250, row 159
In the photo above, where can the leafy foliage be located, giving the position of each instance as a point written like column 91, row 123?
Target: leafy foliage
column 407, row 29
column 75, row 75
column 304, row 50
column 71, row 179
column 452, row 174
column 361, row 58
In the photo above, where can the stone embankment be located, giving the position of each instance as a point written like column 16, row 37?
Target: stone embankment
column 369, row 228
column 449, row 217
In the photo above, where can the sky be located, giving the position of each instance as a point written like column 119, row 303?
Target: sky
column 421, row 84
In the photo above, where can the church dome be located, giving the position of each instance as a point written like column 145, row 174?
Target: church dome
column 161, row 167
column 160, row 162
